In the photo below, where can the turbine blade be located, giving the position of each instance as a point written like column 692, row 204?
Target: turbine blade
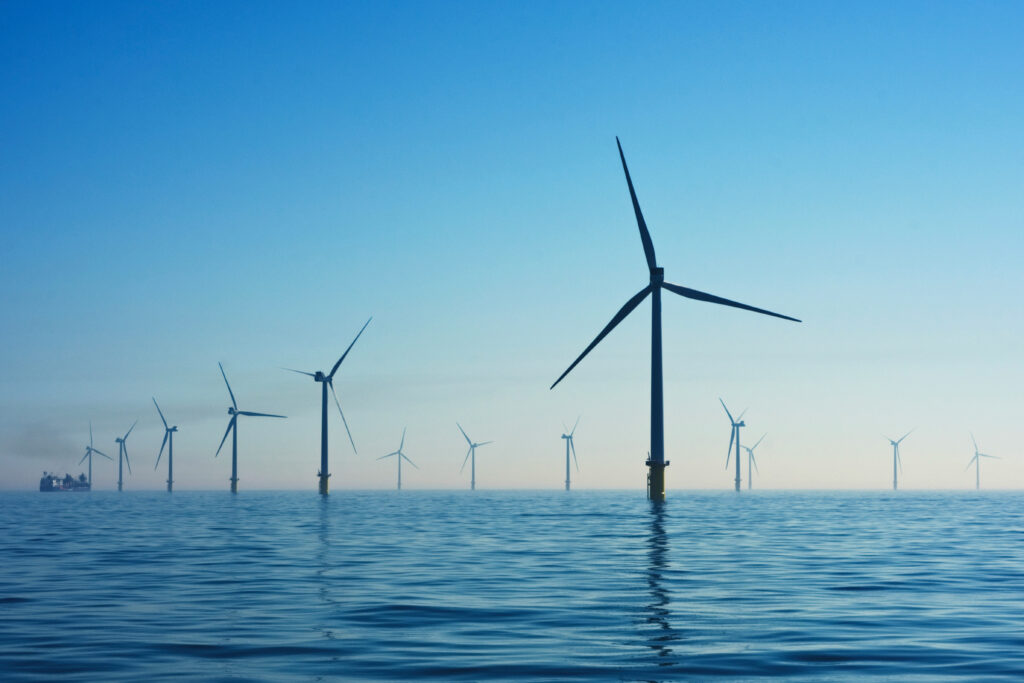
column 301, row 372
column 740, row 418
column 971, row 462
column 623, row 312
column 753, row 459
column 759, row 441
column 161, row 413
column 899, row 460
column 711, row 298
column 343, row 420
column 974, row 442
column 166, row 434
column 125, row 437
column 994, row 457
column 484, row 443
column 84, row 456
column 97, row 452
column 403, row 440
column 252, row 414
column 231, row 423
column 732, row 435
column 464, row 433
column 224, row 375
column 905, row 435
column 645, row 236
column 727, row 411
column 335, row 368
column 465, row 460
column 126, row 460
column 90, row 433
column 575, row 426
column 409, row 461
column 572, row 447
column 388, row 455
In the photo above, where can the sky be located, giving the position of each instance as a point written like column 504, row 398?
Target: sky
column 248, row 182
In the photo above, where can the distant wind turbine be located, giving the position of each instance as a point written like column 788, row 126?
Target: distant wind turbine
column 234, row 412
column 401, row 456
column 734, row 436
column 656, row 460
column 752, row 462
column 169, row 442
column 897, row 461
column 976, row 461
column 328, row 381
column 570, row 445
column 471, row 453
column 122, row 454
column 89, row 450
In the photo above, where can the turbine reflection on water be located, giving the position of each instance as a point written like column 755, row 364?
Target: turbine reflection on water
column 657, row 610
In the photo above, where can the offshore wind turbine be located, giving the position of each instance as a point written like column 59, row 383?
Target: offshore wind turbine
column 122, row 455
column 734, row 435
column 471, row 453
column 752, row 462
column 656, row 460
column 328, row 381
column 976, row 461
column 169, row 442
column 897, row 461
column 234, row 412
column 570, row 445
column 89, row 450
column 400, row 456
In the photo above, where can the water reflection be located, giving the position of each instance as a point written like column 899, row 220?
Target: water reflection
column 657, row 610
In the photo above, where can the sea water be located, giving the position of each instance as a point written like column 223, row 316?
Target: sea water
column 552, row 585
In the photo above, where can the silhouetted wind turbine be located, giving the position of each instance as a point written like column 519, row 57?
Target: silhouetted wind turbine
column 570, row 445
column 752, row 462
column 122, row 453
column 401, row 456
column 471, row 453
column 976, row 461
column 896, row 460
column 328, row 381
column 734, row 435
column 656, row 460
column 89, row 450
column 169, row 442
column 234, row 412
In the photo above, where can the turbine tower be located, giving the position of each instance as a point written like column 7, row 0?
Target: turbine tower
column 752, row 462
column 471, row 452
column 976, row 461
column 734, row 436
column 234, row 412
column 122, row 454
column 401, row 456
column 328, row 381
column 897, row 461
column 89, row 450
column 570, row 445
column 169, row 442
column 656, row 460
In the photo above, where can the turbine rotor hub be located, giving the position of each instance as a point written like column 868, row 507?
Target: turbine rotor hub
column 657, row 275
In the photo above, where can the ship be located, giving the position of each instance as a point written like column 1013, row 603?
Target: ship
column 54, row 482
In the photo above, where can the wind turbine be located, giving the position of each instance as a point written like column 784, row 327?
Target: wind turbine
column 89, row 450
column 470, row 452
column 169, row 442
column 896, row 460
column 570, row 445
column 752, row 462
column 122, row 453
column 734, row 436
column 401, row 456
column 328, row 381
column 656, row 460
column 234, row 412
column 976, row 461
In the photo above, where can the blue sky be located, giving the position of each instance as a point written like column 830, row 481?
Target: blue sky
column 187, row 183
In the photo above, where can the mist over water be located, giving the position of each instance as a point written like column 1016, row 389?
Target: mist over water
column 499, row 585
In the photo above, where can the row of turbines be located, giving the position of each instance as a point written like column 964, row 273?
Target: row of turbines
column 656, row 462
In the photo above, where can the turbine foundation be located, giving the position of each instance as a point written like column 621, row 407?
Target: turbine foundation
column 656, row 480
column 323, row 483
column 234, row 484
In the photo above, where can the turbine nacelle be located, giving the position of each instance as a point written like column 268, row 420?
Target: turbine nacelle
column 319, row 376
column 232, row 410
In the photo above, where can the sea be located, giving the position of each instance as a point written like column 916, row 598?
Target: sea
column 511, row 585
